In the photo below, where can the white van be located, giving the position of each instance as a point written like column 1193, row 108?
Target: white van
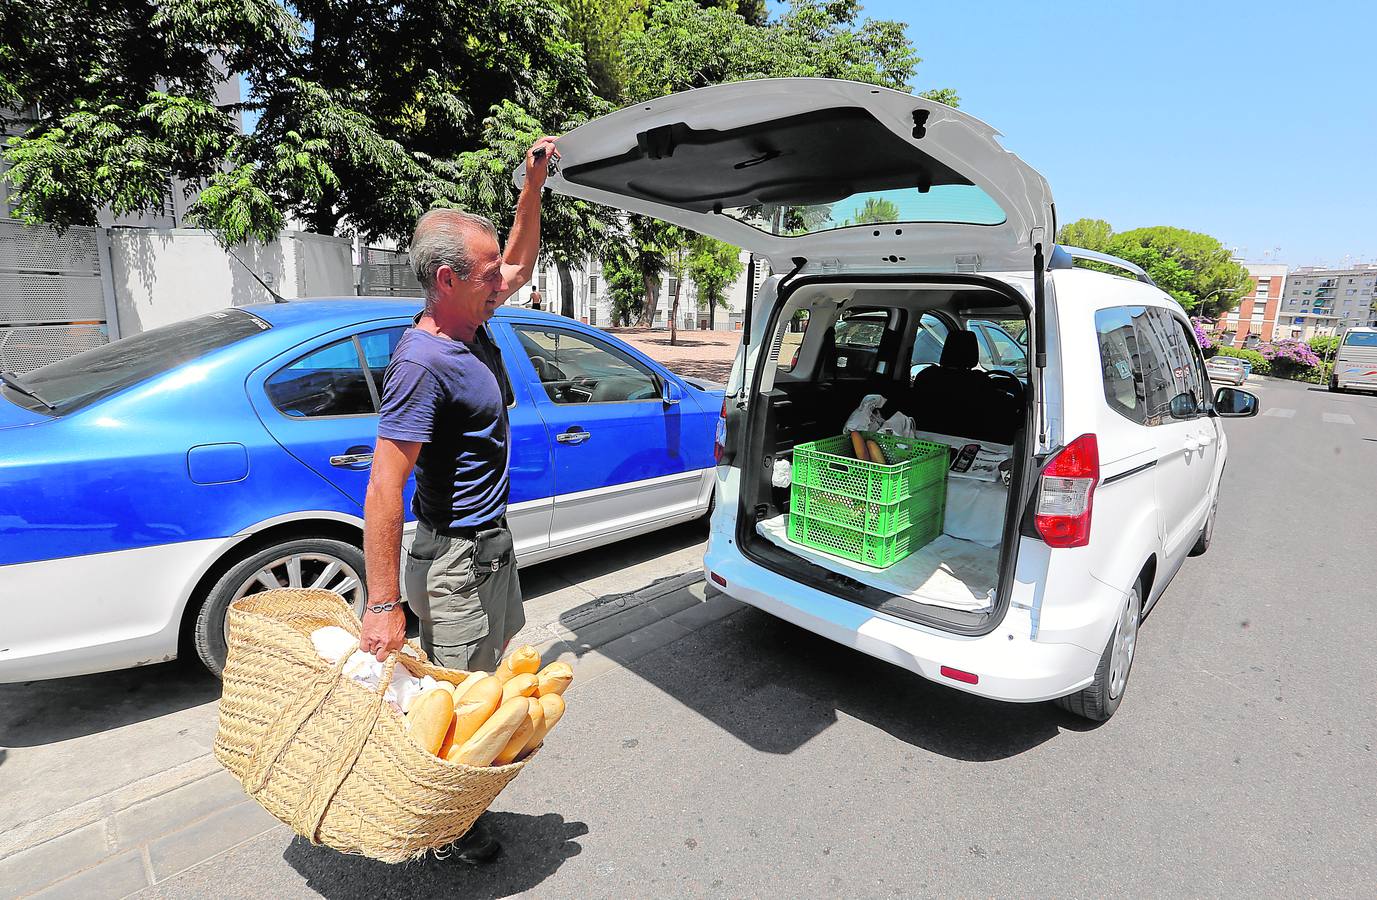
column 894, row 221
column 1355, row 363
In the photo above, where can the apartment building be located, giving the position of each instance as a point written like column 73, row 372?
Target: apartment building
column 1254, row 319
column 1325, row 301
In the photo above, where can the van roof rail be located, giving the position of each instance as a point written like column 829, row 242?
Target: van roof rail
column 1065, row 257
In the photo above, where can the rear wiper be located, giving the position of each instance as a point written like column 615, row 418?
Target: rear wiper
column 12, row 382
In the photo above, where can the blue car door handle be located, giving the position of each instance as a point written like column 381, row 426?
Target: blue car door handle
column 354, row 456
column 573, row 435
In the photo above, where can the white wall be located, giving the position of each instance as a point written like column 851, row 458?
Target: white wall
column 163, row 275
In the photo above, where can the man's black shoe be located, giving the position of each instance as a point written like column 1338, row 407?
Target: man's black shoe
column 478, row 847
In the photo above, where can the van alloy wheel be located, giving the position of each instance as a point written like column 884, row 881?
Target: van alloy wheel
column 1125, row 641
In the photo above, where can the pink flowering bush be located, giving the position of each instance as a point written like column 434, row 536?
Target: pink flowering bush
column 1201, row 335
column 1291, row 359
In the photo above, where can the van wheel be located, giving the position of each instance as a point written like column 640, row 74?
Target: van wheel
column 1202, row 543
column 297, row 562
column 1099, row 701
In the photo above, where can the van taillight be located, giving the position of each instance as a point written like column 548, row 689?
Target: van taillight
column 1066, row 492
column 719, row 444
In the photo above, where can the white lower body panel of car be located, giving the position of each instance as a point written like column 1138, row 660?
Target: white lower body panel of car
column 95, row 613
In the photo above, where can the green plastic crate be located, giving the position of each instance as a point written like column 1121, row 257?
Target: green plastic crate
column 873, row 550
column 828, row 465
column 864, row 511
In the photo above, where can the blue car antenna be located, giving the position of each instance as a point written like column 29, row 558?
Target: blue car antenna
column 277, row 298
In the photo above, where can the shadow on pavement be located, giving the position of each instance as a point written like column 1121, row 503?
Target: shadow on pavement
column 546, row 578
column 776, row 686
column 36, row 713
column 533, row 849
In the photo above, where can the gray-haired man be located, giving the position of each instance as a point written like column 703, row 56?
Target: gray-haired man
column 444, row 412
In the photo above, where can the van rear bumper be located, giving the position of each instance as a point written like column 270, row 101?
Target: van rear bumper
column 1008, row 664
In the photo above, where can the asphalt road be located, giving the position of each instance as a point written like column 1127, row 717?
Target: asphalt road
column 751, row 758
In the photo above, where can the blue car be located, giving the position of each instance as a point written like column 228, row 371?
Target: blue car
column 147, row 484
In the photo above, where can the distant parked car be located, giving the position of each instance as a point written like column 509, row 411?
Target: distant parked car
column 1226, row 369
column 148, row 483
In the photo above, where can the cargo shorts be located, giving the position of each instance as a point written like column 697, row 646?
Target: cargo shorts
column 467, row 615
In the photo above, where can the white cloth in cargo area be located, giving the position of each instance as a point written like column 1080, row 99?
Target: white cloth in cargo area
column 946, row 572
column 976, row 499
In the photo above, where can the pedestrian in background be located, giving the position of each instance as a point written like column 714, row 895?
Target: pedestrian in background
column 444, row 413
column 535, row 299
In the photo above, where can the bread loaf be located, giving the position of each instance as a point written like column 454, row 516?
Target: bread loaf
column 523, row 685
column 429, row 718
column 876, row 454
column 554, row 679
column 523, row 659
column 478, row 703
column 554, row 711
column 462, row 687
column 516, row 745
column 858, row 445
column 492, row 737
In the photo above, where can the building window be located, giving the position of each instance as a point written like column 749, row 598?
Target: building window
column 1295, row 332
column 592, row 286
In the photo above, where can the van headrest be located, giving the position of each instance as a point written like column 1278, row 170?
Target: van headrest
column 959, row 351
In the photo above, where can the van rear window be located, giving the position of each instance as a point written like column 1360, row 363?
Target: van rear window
column 70, row 384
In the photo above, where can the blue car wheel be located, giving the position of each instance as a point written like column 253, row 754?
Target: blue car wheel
column 293, row 562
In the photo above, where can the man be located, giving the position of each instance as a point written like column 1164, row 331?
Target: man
column 444, row 412
column 535, row 300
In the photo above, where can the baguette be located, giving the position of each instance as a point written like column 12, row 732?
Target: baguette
column 858, row 445
column 489, row 740
column 462, row 687
column 876, row 454
column 429, row 719
column 553, row 707
column 516, row 745
column 475, row 707
column 554, row 679
column 523, row 659
column 523, row 685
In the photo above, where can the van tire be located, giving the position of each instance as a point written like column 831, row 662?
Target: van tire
column 1202, row 543
column 1098, row 701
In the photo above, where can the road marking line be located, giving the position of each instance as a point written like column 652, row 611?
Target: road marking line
column 1280, row 412
column 1337, row 418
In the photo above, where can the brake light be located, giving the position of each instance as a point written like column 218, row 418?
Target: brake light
column 959, row 675
column 1066, row 492
column 719, row 444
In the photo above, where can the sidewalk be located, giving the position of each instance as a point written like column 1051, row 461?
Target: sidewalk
column 143, row 833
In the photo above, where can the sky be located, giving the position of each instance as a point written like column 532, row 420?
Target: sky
column 1253, row 122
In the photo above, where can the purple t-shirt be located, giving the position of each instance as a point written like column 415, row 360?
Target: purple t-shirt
column 451, row 396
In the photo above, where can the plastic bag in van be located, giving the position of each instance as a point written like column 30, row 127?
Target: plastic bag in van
column 867, row 415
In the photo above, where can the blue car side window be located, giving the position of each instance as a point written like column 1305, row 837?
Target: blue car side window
column 377, row 351
column 574, row 368
column 328, row 382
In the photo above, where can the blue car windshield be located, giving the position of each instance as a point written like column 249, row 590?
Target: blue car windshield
column 70, row 384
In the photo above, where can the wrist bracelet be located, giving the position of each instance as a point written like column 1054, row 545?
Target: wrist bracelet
column 385, row 607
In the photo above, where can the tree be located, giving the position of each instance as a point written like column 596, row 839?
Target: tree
column 363, row 106
column 645, row 245
column 1088, row 234
column 713, row 266
column 1193, row 267
column 625, row 287
column 877, row 210
column 677, row 264
column 570, row 230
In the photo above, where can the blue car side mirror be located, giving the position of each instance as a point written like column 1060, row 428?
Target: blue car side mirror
column 672, row 392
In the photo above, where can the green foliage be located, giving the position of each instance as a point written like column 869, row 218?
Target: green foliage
column 1194, row 268
column 713, row 266
column 625, row 287
column 1325, row 345
column 365, row 106
column 1088, row 234
column 875, row 211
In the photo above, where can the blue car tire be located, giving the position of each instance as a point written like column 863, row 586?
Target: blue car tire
column 323, row 562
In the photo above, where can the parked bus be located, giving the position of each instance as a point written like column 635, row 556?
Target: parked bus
column 1355, row 365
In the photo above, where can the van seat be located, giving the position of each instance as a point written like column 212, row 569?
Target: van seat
column 953, row 397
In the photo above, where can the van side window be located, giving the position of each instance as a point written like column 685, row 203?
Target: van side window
column 1183, row 394
column 789, row 341
column 927, row 343
column 1120, row 362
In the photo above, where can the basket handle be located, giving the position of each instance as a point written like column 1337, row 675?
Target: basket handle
column 838, row 467
column 310, row 810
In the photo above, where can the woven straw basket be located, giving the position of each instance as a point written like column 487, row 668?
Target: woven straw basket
column 328, row 756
